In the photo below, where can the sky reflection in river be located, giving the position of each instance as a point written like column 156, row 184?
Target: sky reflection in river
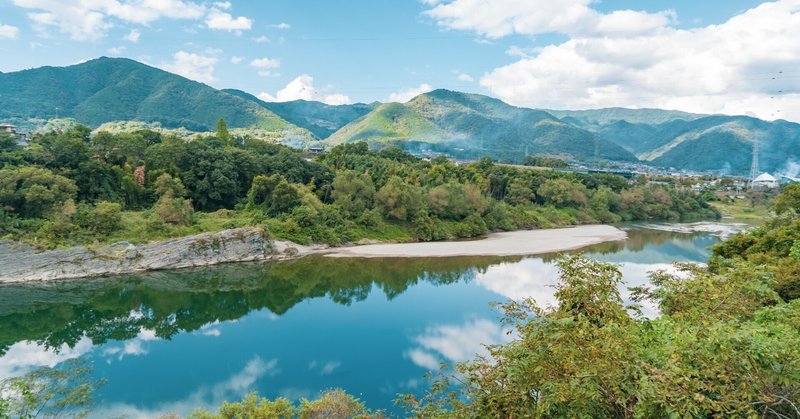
column 173, row 341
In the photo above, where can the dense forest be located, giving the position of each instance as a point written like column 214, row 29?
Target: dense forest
column 72, row 187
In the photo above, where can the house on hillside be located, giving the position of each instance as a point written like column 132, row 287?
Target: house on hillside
column 22, row 138
column 765, row 181
column 316, row 150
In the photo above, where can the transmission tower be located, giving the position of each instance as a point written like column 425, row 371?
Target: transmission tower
column 754, row 166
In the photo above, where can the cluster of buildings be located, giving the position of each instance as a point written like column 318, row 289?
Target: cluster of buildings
column 22, row 137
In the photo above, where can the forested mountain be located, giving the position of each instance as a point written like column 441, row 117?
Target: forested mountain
column 466, row 126
column 689, row 141
column 470, row 126
column 118, row 89
column 319, row 118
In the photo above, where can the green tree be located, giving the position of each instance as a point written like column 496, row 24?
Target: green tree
column 354, row 193
column 34, row 192
column 400, row 201
column 789, row 199
column 222, row 132
column 519, row 193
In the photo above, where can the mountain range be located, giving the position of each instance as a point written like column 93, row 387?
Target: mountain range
column 462, row 125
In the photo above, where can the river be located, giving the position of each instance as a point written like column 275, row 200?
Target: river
column 169, row 342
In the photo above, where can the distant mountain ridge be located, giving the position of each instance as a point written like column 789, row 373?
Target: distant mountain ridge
column 114, row 89
column 470, row 126
column 463, row 125
column 319, row 118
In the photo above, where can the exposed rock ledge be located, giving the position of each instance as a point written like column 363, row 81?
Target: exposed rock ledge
column 22, row 263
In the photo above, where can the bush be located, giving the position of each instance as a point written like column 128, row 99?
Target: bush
column 174, row 210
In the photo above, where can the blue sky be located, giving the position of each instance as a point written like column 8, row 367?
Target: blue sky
column 702, row 56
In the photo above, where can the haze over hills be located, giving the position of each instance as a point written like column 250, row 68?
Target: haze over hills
column 467, row 126
column 319, row 118
column 470, row 126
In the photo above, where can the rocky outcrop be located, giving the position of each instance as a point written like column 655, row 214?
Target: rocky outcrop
column 20, row 262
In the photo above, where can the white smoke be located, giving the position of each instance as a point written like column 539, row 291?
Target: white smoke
column 791, row 170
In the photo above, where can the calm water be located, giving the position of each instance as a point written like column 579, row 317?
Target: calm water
column 171, row 342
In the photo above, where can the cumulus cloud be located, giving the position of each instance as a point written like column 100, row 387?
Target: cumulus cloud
column 236, row 59
column 497, row 18
column 737, row 67
column 220, row 20
column 8, row 32
column 303, row 88
column 133, row 36
column 282, row 25
column 192, row 66
column 407, row 94
column 89, row 20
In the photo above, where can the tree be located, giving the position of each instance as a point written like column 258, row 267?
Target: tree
column 34, row 192
column 519, row 193
column 353, row 192
column 400, row 201
column 222, row 132
column 789, row 199
column 171, row 207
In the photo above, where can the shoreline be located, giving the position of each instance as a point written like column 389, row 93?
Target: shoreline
column 21, row 263
column 509, row 243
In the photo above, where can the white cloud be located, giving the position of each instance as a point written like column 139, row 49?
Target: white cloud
column 730, row 68
column 266, row 63
column 192, row 66
column 236, row 59
column 86, row 20
column 456, row 343
column 8, row 32
column 407, row 94
column 497, row 18
column 261, row 39
column 303, row 88
column 207, row 397
column 25, row 356
column 282, row 25
column 223, row 5
column 133, row 36
column 117, row 50
column 466, row 78
column 220, row 20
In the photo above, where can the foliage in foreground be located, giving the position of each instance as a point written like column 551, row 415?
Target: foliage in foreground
column 334, row 404
column 725, row 345
column 727, row 342
column 62, row 392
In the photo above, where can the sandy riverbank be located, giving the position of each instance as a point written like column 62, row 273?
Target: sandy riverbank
column 513, row 243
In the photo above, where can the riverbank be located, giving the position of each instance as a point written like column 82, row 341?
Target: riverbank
column 512, row 243
column 20, row 262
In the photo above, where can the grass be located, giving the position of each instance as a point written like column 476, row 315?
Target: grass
column 742, row 210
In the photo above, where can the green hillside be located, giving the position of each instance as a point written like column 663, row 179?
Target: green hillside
column 471, row 126
column 682, row 140
column 725, row 143
column 118, row 89
column 594, row 119
column 319, row 118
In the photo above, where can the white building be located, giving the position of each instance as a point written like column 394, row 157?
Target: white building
column 765, row 181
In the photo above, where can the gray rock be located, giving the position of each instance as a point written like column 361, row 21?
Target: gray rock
column 20, row 262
